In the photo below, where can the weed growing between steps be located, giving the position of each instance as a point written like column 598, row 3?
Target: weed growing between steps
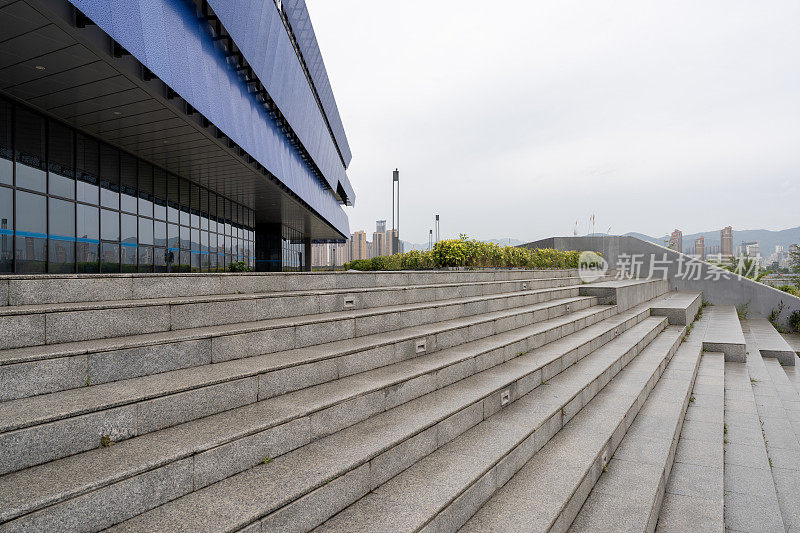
column 743, row 310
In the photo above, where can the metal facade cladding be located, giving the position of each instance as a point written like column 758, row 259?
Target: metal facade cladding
column 169, row 39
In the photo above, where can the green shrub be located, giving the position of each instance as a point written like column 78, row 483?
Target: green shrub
column 463, row 252
column 794, row 321
column 239, row 266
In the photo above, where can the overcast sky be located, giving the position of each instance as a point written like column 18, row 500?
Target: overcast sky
column 519, row 118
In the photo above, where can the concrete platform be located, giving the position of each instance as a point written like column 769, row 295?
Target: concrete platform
column 724, row 333
column 680, row 308
column 769, row 342
column 626, row 293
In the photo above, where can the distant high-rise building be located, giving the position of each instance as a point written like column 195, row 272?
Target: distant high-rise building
column 676, row 241
column 750, row 249
column 358, row 245
column 379, row 238
column 778, row 248
column 726, row 238
column 700, row 248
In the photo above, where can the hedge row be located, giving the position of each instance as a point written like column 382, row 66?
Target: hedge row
column 463, row 252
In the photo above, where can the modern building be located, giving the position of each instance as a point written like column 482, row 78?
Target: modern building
column 700, row 247
column 166, row 135
column 379, row 238
column 676, row 240
column 359, row 249
column 726, row 240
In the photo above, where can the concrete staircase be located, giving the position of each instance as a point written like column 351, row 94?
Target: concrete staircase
column 482, row 401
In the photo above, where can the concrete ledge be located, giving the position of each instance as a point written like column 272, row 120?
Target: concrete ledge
column 724, row 333
column 769, row 341
column 680, row 308
column 625, row 293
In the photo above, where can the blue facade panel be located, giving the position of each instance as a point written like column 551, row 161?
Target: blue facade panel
column 257, row 29
column 167, row 37
column 297, row 12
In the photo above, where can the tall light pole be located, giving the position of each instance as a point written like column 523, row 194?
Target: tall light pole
column 437, row 228
column 396, row 230
column 430, row 239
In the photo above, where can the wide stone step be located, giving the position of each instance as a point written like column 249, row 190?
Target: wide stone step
column 55, row 324
column 769, row 342
column 751, row 501
column 694, row 496
column 777, row 409
column 724, row 333
column 39, row 370
column 136, row 406
column 549, row 490
column 233, row 441
column 70, row 288
column 626, row 293
column 680, row 308
column 629, row 493
column 443, row 490
column 325, row 476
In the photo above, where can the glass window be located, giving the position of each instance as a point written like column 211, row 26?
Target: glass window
column 204, row 241
column 184, row 265
column 128, row 183
column 145, row 231
column 128, row 229
column 61, row 219
column 128, row 255
column 145, row 189
column 109, row 176
column 31, row 239
column 160, row 233
column 185, row 202
column 6, row 155
column 159, row 194
column 87, row 165
column 6, row 229
column 110, row 257
column 185, row 238
column 160, row 256
column 61, row 176
column 173, row 196
column 145, row 259
column 173, row 237
column 88, row 223
column 196, row 240
column 109, row 225
column 31, row 214
column 30, row 146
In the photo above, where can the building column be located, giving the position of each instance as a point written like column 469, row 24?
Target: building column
column 307, row 254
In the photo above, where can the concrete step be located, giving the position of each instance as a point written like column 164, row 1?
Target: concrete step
column 629, row 494
column 36, row 325
column 229, row 442
column 443, row 490
column 136, row 406
column 778, row 407
column 626, row 293
column 769, row 342
column 694, row 496
column 751, row 501
column 39, row 370
column 310, row 484
column 724, row 333
column 680, row 308
column 70, row 288
column 550, row 489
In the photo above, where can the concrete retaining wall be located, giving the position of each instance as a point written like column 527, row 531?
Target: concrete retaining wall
column 723, row 287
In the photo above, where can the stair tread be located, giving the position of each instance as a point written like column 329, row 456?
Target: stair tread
column 724, row 332
column 486, row 444
column 627, row 496
column 11, row 310
column 44, row 351
column 769, row 342
column 310, row 467
column 25, row 412
column 138, row 454
column 538, row 496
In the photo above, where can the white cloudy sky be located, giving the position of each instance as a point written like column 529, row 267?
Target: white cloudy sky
column 519, row 118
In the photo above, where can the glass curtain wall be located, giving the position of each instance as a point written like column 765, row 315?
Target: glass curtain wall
column 70, row 203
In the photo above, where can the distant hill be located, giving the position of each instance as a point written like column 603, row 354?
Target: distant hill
column 766, row 239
